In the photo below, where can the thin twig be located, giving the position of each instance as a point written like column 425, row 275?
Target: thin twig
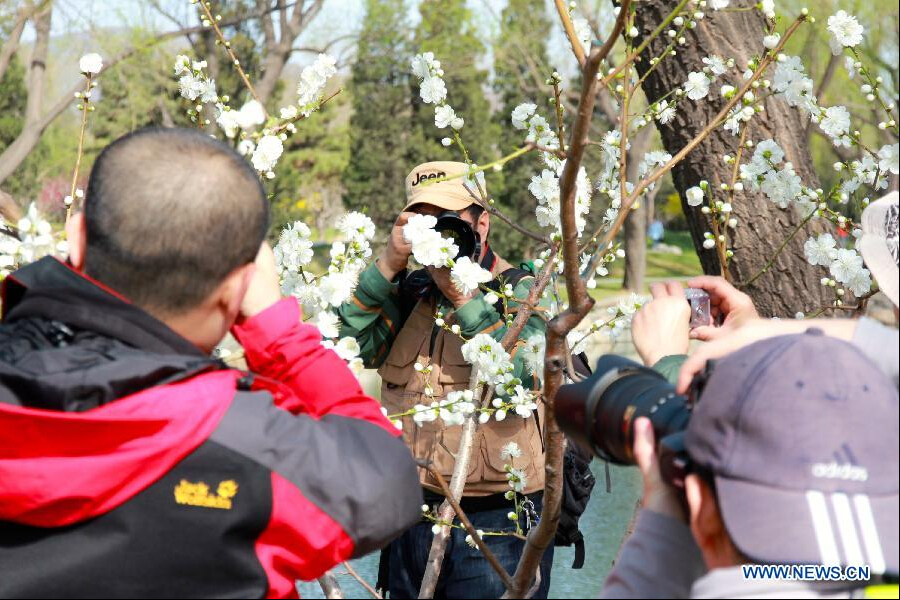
column 234, row 59
column 85, row 108
column 470, row 529
column 368, row 587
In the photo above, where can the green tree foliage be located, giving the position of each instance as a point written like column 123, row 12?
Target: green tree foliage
column 380, row 123
column 520, row 57
column 447, row 29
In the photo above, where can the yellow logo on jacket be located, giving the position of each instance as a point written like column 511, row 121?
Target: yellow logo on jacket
column 198, row 494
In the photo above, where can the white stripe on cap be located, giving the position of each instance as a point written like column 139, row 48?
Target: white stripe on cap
column 847, row 529
column 869, row 533
column 822, row 528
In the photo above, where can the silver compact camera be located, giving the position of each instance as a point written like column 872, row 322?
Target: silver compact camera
column 700, row 309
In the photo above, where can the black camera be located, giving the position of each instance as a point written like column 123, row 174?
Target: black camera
column 449, row 225
column 599, row 413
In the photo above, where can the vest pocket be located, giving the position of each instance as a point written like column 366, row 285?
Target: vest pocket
column 440, row 444
column 524, row 432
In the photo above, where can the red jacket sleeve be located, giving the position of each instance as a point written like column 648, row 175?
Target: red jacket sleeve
column 314, row 379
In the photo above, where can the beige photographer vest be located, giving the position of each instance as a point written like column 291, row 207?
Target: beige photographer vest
column 402, row 388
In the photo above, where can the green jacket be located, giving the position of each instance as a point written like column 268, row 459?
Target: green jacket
column 669, row 366
column 373, row 316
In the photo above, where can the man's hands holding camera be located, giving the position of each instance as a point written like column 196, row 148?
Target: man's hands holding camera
column 662, row 327
column 397, row 251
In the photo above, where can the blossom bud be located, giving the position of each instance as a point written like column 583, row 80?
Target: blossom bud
column 732, row 222
column 512, row 516
column 739, row 187
column 435, row 529
column 446, row 141
column 709, row 244
column 705, row 210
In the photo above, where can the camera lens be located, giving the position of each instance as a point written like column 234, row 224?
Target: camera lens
column 449, row 225
column 600, row 411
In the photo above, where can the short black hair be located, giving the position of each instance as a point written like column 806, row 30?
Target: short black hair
column 169, row 214
column 475, row 209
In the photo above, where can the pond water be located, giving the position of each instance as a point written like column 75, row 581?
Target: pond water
column 604, row 524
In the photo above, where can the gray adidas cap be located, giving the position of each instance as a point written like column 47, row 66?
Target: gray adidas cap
column 801, row 434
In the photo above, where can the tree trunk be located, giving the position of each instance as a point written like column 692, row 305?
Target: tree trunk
column 635, row 228
column 15, row 35
column 790, row 285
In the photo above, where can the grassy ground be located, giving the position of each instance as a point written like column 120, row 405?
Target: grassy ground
column 660, row 266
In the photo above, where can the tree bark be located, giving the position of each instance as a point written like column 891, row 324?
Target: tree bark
column 15, row 36
column 278, row 51
column 635, row 228
column 789, row 285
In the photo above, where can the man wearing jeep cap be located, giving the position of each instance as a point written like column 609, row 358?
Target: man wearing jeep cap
column 394, row 323
column 793, row 460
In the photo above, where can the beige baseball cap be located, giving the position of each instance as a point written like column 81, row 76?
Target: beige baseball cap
column 452, row 194
column 878, row 244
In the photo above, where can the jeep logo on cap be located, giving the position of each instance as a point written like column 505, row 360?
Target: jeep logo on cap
column 420, row 177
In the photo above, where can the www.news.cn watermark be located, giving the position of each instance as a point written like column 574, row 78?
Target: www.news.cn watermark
column 807, row 572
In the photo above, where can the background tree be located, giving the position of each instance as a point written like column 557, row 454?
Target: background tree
column 789, row 285
column 519, row 50
column 447, row 29
column 382, row 113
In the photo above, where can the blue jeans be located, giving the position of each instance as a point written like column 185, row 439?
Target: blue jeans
column 465, row 573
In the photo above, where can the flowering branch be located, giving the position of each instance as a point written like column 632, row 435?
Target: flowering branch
column 470, row 529
column 213, row 21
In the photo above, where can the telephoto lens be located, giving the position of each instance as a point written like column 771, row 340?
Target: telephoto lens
column 599, row 412
column 449, row 225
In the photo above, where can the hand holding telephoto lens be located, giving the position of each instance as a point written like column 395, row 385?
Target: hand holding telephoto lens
column 658, row 495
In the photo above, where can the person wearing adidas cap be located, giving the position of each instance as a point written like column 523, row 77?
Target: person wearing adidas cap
column 793, row 460
column 392, row 317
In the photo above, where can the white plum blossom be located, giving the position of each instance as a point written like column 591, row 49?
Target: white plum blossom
column 294, row 248
column 428, row 247
column 227, row 120
column 532, row 354
column 91, row 63
column 694, row 196
column 782, row 186
column 523, row 401
column 846, row 262
column 521, row 114
column 356, row 226
column 791, row 82
column 336, row 288
column 718, row 4
column 845, row 30
column 510, row 451
column 859, row 282
column 433, row 90
column 697, row 85
column 889, row 158
column 312, row 83
column 443, row 116
column 582, row 31
column 836, row 124
column 467, row 275
column 820, row 250
column 770, row 41
column 664, row 112
column 268, row 151
column 715, row 64
column 423, row 64
column 182, row 64
column 327, row 323
column 518, row 481
column 490, row 362
column 250, row 115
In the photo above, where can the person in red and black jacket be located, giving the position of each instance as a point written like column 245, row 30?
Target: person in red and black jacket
column 132, row 464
